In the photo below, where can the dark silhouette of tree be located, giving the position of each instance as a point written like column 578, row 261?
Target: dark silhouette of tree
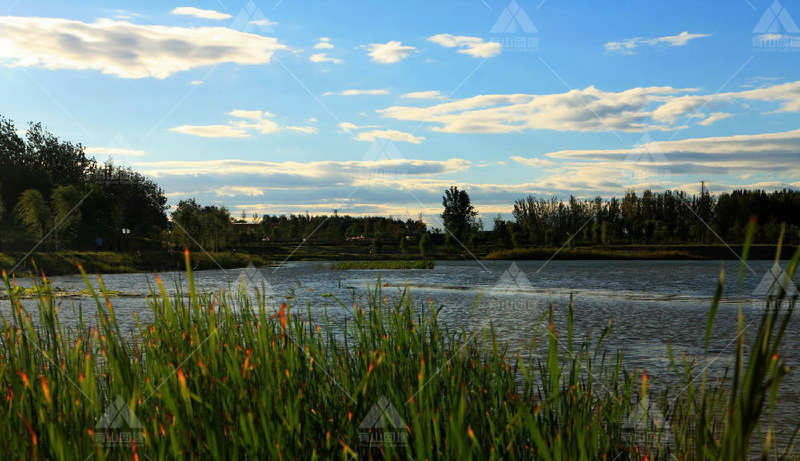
column 459, row 216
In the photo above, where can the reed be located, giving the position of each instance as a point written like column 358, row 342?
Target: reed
column 229, row 376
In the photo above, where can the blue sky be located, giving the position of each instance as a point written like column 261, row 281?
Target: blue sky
column 375, row 108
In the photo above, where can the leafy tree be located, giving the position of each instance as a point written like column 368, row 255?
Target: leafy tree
column 33, row 213
column 459, row 216
column 208, row 227
column 65, row 202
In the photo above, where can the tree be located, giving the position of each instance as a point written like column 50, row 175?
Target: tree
column 2, row 204
column 425, row 245
column 32, row 213
column 459, row 216
column 66, row 210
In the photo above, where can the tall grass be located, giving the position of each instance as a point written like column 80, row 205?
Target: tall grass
column 229, row 376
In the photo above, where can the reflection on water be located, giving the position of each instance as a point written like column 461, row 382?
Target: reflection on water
column 650, row 304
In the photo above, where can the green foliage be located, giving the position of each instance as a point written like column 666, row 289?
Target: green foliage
column 201, row 227
column 222, row 376
column 459, row 216
column 33, row 213
column 669, row 217
column 118, row 199
column 65, row 203
column 382, row 265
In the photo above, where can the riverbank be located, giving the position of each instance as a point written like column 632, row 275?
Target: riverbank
column 66, row 262
column 107, row 262
column 644, row 253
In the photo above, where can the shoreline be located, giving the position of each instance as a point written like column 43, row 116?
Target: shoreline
column 66, row 262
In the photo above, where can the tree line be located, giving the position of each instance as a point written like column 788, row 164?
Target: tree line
column 668, row 217
column 51, row 192
column 50, row 189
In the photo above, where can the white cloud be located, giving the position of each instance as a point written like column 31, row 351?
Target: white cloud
column 211, row 131
column 320, row 186
column 392, row 135
column 725, row 155
column 347, row 126
column 303, row 129
column 124, row 49
column 322, row 57
column 123, row 14
column 112, row 151
column 715, row 117
column 196, row 82
column 263, row 23
column 629, row 46
column 248, row 121
column 324, row 43
column 358, row 92
column 286, row 174
column 473, row 46
column 198, row 13
column 433, row 94
column 589, row 109
column 389, row 52
column 234, row 191
column 533, row 162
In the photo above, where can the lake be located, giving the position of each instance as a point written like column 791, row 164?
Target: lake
column 650, row 304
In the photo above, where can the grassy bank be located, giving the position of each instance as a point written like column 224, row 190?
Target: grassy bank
column 227, row 376
column 643, row 252
column 383, row 265
column 107, row 262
